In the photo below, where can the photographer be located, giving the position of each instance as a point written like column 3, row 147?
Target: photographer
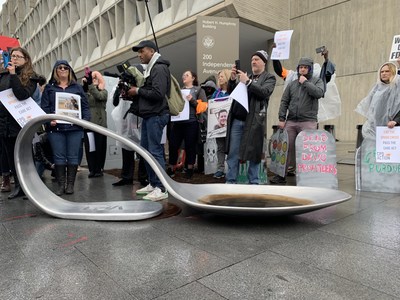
column 94, row 87
column 154, row 111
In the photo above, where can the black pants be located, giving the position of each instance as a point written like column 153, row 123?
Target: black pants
column 96, row 159
column 187, row 132
column 7, row 155
column 128, row 166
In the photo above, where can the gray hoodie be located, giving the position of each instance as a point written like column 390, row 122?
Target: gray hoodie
column 300, row 101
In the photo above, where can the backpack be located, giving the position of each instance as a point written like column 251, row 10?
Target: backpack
column 175, row 100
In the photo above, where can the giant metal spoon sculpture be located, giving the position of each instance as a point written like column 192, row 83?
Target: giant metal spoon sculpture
column 219, row 198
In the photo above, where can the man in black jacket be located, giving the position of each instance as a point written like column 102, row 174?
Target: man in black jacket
column 153, row 108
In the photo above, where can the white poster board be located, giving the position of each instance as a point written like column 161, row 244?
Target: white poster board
column 22, row 110
column 282, row 42
column 69, row 105
column 387, row 144
column 218, row 110
column 184, row 114
column 395, row 51
column 240, row 95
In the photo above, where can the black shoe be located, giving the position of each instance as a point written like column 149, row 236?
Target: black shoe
column 91, row 175
column 18, row 192
column 123, row 182
column 189, row 173
column 278, row 180
column 144, row 182
column 171, row 173
column 98, row 174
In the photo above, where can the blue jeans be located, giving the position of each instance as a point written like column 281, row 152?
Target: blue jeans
column 233, row 156
column 152, row 129
column 65, row 146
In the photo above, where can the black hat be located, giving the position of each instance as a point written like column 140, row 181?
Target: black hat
column 261, row 54
column 144, row 43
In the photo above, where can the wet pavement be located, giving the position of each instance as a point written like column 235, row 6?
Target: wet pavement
column 348, row 251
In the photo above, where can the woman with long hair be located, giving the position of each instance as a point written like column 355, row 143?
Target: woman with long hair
column 18, row 77
column 65, row 139
column 187, row 130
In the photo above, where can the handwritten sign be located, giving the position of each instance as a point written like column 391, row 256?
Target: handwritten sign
column 395, row 52
column 387, row 144
column 316, row 159
column 279, row 150
column 374, row 176
column 282, row 42
column 22, row 110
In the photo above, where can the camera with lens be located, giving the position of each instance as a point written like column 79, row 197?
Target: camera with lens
column 126, row 79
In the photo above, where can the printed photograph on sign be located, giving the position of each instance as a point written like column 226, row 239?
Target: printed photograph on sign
column 69, row 105
column 218, row 110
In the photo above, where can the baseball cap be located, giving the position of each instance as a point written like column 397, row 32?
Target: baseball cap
column 144, row 43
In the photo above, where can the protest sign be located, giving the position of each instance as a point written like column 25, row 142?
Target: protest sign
column 316, row 159
column 282, row 42
column 387, row 144
column 69, row 105
column 218, row 110
column 395, row 51
column 22, row 110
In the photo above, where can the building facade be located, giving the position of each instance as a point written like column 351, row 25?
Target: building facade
column 100, row 34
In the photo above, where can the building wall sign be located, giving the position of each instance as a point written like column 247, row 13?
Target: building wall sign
column 217, row 45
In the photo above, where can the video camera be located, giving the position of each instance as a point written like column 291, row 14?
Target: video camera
column 126, row 79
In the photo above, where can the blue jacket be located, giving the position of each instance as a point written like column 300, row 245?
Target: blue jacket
column 49, row 99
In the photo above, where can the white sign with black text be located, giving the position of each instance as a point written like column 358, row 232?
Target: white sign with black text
column 22, row 110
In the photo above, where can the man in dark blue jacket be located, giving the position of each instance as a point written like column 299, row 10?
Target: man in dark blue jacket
column 153, row 108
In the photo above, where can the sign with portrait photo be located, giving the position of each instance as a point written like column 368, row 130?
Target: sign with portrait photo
column 218, row 110
column 69, row 105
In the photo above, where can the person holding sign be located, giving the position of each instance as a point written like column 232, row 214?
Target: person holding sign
column 18, row 76
column 65, row 139
column 222, row 116
column 299, row 107
column 381, row 107
column 245, row 129
column 187, row 130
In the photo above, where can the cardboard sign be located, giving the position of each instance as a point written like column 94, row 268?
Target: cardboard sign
column 374, row 176
column 279, row 147
column 316, row 159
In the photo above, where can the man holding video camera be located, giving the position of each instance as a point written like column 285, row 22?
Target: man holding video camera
column 153, row 108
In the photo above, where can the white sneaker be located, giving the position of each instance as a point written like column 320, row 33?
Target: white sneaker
column 146, row 190
column 156, row 195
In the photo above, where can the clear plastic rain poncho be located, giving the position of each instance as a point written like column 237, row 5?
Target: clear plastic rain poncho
column 381, row 104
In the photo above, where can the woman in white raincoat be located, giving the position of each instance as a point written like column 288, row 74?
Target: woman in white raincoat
column 381, row 107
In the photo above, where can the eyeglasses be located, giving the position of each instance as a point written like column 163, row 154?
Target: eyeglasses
column 63, row 68
column 17, row 56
